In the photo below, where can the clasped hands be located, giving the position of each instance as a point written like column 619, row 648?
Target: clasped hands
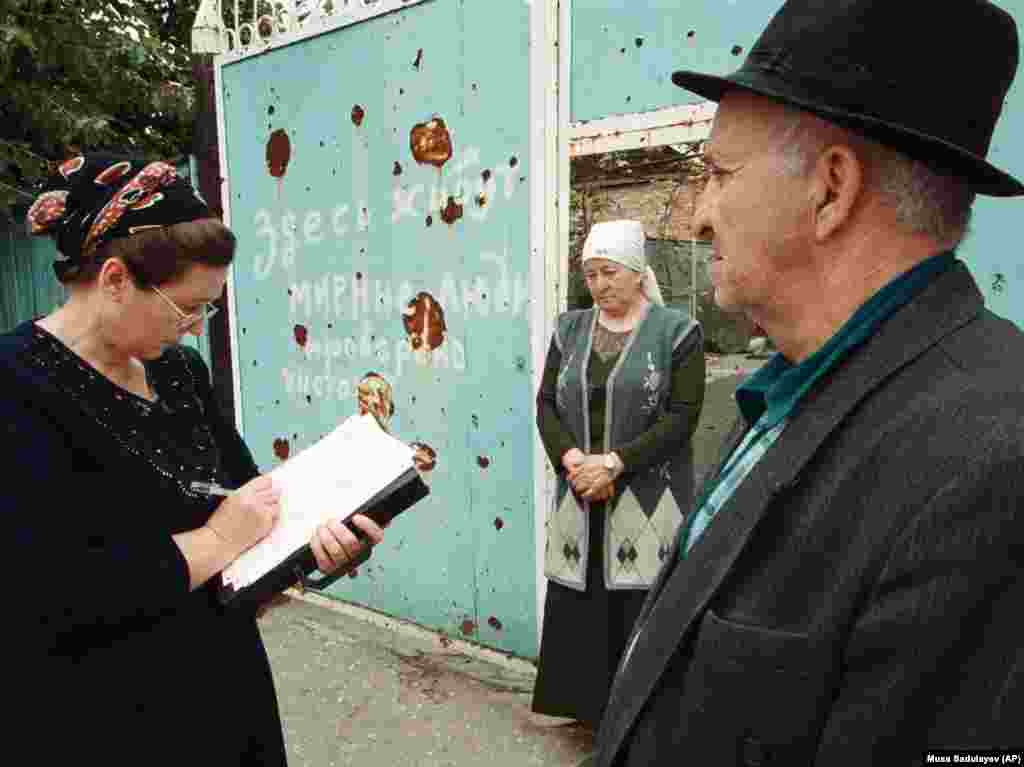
column 590, row 478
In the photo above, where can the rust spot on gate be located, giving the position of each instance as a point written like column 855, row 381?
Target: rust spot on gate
column 468, row 627
column 358, row 113
column 424, row 323
column 483, row 461
column 376, row 397
column 282, row 449
column 494, row 623
column 451, row 212
column 301, row 335
column 498, row 523
column 279, row 153
column 431, row 143
column 425, row 457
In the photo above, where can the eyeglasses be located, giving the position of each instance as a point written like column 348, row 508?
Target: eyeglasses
column 188, row 321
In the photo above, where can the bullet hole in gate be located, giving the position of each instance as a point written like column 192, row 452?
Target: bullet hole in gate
column 498, row 523
column 282, row 449
column 737, row 50
column 494, row 623
column 622, row 50
column 289, row 291
column 430, row 142
column 430, row 220
column 358, row 113
column 375, row 396
column 301, row 335
column 359, row 275
column 397, row 170
column 690, row 34
column 423, row 319
column 451, row 212
column 483, row 461
column 476, row 421
column 419, row 59
column 330, row 326
column 309, row 399
column 279, row 153
column 486, row 175
column 270, row 109
column 639, row 42
column 425, row 457
column 468, row 627
column 513, row 162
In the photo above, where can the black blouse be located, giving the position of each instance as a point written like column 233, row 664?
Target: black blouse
column 99, row 481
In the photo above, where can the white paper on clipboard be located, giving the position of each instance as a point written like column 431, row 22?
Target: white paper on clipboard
column 325, row 481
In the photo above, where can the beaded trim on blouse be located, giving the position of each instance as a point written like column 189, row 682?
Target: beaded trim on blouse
column 608, row 343
column 186, row 450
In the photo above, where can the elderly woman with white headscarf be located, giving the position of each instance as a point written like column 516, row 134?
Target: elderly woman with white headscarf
column 619, row 402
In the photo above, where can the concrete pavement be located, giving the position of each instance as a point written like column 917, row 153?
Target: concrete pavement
column 358, row 688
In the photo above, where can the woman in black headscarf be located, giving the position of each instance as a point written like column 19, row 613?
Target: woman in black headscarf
column 123, row 650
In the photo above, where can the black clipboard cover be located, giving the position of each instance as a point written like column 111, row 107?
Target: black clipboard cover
column 382, row 508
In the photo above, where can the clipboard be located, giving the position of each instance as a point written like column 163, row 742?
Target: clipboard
column 296, row 570
column 358, row 466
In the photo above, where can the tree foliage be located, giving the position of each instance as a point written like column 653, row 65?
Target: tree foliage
column 90, row 74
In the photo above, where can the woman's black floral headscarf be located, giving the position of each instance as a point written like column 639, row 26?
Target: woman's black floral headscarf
column 96, row 198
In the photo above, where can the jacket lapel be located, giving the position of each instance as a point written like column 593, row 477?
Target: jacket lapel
column 684, row 589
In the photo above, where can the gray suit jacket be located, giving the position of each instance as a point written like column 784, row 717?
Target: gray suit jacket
column 857, row 599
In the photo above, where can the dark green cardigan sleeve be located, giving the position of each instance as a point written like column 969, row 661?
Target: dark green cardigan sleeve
column 556, row 437
column 677, row 426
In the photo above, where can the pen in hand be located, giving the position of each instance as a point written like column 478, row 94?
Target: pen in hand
column 209, row 488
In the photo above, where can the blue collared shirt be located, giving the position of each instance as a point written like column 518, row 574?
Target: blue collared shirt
column 769, row 397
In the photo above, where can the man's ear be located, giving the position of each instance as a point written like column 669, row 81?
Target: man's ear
column 838, row 180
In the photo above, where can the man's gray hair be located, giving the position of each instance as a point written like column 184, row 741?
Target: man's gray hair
column 925, row 202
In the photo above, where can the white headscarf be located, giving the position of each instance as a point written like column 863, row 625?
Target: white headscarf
column 623, row 243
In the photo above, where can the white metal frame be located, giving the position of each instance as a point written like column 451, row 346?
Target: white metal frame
column 225, row 197
column 292, row 20
column 547, row 40
column 673, row 125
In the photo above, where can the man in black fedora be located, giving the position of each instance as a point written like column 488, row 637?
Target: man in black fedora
column 847, row 591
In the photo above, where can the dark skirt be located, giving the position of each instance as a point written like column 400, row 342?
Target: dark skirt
column 583, row 638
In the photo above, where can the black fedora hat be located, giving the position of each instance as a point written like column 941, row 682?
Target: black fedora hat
column 926, row 77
